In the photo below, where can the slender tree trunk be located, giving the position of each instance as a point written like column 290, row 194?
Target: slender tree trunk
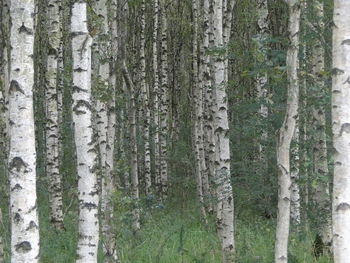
column 156, row 96
column 285, row 135
column 108, row 184
column 1, row 238
column 207, row 121
column 295, row 191
column 84, row 138
column 164, row 106
column 198, row 113
column 133, row 141
column 225, row 226
column 146, row 107
column 261, row 79
column 52, row 114
column 321, row 196
column 341, row 130
column 22, row 155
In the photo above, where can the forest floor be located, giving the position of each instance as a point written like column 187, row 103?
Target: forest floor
column 175, row 234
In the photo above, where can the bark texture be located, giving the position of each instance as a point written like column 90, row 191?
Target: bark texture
column 285, row 135
column 133, row 142
column 156, row 96
column 224, row 219
column 52, row 113
column 146, row 107
column 198, row 113
column 164, row 105
column 321, row 196
column 88, row 193
column 22, row 155
column 341, row 131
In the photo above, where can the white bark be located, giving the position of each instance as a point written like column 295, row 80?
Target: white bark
column 108, row 184
column 321, row 196
column 285, row 135
column 200, row 168
column 52, row 114
column 156, row 95
column 84, row 142
column 209, row 108
column 295, row 190
column 225, row 227
column 133, row 141
column 341, row 131
column 146, row 107
column 22, row 155
column 164, row 106
column 261, row 79
column 207, row 117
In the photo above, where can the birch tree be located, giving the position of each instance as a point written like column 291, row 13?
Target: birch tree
column 261, row 79
column 341, row 124
column 320, row 159
column 146, row 106
column 224, row 196
column 164, row 105
column 285, row 135
column 198, row 112
column 88, row 194
column 133, row 141
column 22, row 154
column 108, row 183
column 156, row 95
column 52, row 113
column 209, row 139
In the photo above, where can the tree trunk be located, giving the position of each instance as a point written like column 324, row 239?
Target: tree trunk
column 22, row 155
column 164, row 106
column 341, row 129
column 156, row 96
column 52, row 114
column 1, row 238
column 295, row 191
column 146, row 107
column 261, row 79
column 321, row 197
column 207, row 116
column 198, row 113
column 84, row 138
column 285, row 135
column 225, row 226
column 133, row 141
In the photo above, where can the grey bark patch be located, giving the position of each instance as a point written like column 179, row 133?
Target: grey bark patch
column 346, row 42
column 32, row 225
column 347, row 81
column 17, row 187
column 336, row 71
column 81, row 104
column 23, row 247
column 17, row 163
column 344, row 128
column 25, row 30
column 17, row 218
column 343, row 207
column 89, row 206
column 15, row 87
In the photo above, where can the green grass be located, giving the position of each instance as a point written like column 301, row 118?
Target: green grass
column 175, row 234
